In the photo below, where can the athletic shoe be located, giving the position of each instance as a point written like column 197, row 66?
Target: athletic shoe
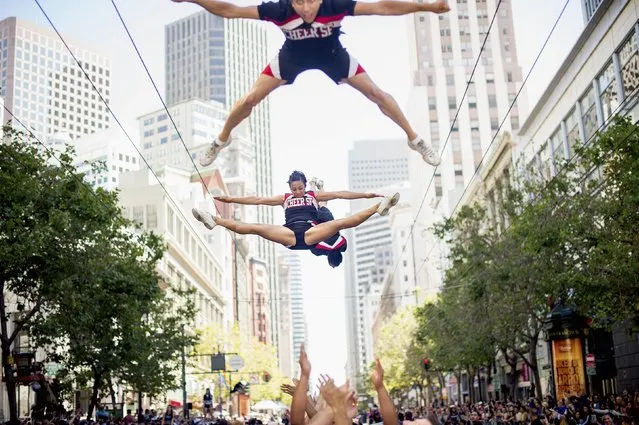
column 316, row 184
column 216, row 147
column 204, row 218
column 386, row 204
column 425, row 150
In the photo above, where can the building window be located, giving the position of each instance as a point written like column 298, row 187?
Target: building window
column 169, row 219
column 452, row 103
column 492, row 101
column 589, row 117
column 151, row 216
column 450, row 80
column 572, row 125
column 629, row 63
column 557, row 146
column 608, row 89
column 138, row 215
column 514, row 122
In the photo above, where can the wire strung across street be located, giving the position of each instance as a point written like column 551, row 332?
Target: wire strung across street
column 512, row 104
column 452, row 126
column 470, row 81
column 106, row 104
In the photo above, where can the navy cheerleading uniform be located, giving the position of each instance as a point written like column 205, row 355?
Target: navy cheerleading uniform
column 312, row 45
column 336, row 243
column 300, row 215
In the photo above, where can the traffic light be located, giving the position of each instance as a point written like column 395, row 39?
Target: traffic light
column 267, row 377
column 426, row 363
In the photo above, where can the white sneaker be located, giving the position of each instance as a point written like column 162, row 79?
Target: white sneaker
column 216, row 147
column 387, row 203
column 204, row 218
column 316, row 184
column 425, row 150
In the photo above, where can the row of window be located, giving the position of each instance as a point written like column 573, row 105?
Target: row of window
column 176, row 227
column 618, row 80
column 50, row 47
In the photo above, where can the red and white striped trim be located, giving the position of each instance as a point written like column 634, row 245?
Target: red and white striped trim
column 328, row 247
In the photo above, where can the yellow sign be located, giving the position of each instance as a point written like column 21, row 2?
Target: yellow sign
column 568, row 365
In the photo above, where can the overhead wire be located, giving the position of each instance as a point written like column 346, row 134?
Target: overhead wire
column 51, row 152
column 488, row 148
column 470, row 81
column 452, row 126
column 106, row 104
column 575, row 155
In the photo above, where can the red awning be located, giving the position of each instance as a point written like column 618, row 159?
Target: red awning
column 175, row 403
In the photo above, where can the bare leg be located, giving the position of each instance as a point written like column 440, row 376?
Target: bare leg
column 385, row 102
column 325, row 230
column 274, row 233
column 264, row 85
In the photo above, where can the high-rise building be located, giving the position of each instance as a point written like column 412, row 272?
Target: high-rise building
column 197, row 121
column 285, row 326
column 211, row 58
column 109, row 147
column 259, row 300
column 444, row 51
column 44, row 87
column 372, row 165
column 298, row 319
column 189, row 261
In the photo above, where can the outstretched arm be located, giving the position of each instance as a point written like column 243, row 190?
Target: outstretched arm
column 251, row 200
column 224, row 9
column 394, row 7
column 311, row 410
column 298, row 405
column 344, row 194
column 386, row 406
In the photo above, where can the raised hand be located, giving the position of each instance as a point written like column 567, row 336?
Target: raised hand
column 341, row 399
column 287, row 389
column 377, row 376
column 305, row 364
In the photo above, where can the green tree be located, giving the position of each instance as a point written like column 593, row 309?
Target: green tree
column 115, row 321
column 157, row 343
column 395, row 339
column 603, row 235
column 457, row 326
column 258, row 357
column 49, row 222
column 572, row 237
